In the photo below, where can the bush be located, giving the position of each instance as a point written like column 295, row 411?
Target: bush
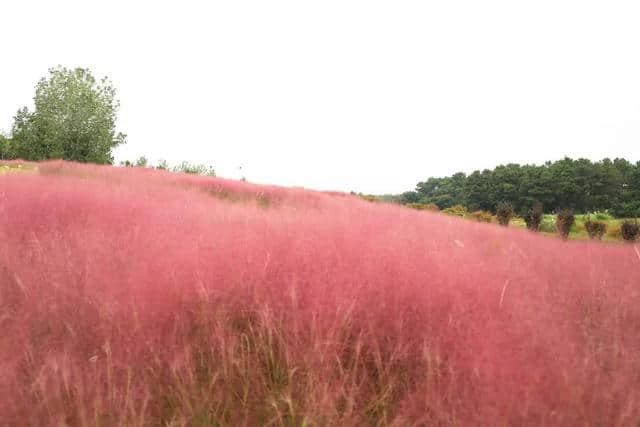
column 533, row 217
column 504, row 212
column 481, row 216
column 630, row 230
column 564, row 221
column 456, row 210
column 423, row 206
column 595, row 229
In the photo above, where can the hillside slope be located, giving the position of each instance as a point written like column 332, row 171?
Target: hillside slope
column 135, row 297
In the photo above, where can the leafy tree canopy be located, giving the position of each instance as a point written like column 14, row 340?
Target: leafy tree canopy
column 74, row 119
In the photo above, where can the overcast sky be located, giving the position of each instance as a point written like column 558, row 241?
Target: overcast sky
column 367, row 95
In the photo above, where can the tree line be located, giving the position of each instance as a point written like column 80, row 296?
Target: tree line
column 581, row 185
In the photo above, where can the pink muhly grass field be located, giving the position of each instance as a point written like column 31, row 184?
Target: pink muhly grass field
column 137, row 297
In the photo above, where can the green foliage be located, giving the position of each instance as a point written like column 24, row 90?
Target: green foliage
column 142, row 162
column 564, row 221
column 409, row 197
column 5, row 149
column 581, row 184
column 481, row 216
column 423, row 206
column 630, row 209
column 196, row 169
column 595, row 229
column 74, row 119
column 630, row 230
column 504, row 212
column 184, row 167
column 456, row 210
column 162, row 165
column 533, row 217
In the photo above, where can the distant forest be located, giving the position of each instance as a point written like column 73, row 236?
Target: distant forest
column 581, row 185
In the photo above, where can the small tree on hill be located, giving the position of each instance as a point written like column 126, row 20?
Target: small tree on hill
column 74, row 119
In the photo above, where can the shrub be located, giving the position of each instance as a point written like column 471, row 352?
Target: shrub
column 481, row 216
column 423, row 206
column 564, row 221
column 595, row 229
column 630, row 230
column 456, row 210
column 533, row 217
column 504, row 212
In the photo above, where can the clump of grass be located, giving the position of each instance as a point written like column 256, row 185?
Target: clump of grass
column 504, row 212
column 595, row 229
column 564, row 221
column 534, row 216
column 630, row 230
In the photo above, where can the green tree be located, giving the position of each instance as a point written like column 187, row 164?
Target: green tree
column 479, row 190
column 74, row 119
column 410, row 197
column 4, row 147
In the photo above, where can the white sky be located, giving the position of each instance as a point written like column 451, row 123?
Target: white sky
column 368, row 96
